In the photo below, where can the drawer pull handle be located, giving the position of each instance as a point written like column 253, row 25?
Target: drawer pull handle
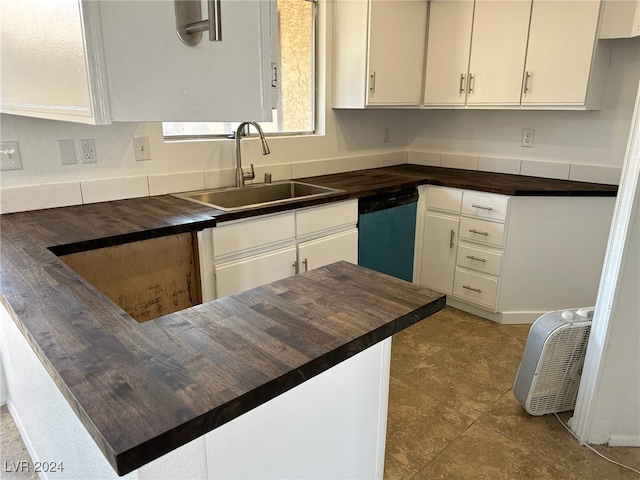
column 461, row 83
column 471, row 288
column 295, row 267
column 471, row 257
column 306, row 265
column 473, row 230
column 451, row 242
column 482, row 207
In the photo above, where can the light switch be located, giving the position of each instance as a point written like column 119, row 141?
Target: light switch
column 141, row 148
column 10, row 156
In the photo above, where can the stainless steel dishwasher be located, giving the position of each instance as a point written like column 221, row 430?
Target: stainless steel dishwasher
column 386, row 232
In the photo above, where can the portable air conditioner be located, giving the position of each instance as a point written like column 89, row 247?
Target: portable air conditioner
column 549, row 374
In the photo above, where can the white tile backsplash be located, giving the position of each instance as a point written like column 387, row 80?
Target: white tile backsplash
column 545, row 169
column 220, row 178
column 341, row 165
column 370, row 161
column 175, row 182
column 595, row 174
column 36, row 197
column 430, row 159
column 499, row 165
column 108, row 189
column 463, row 162
column 395, row 158
column 278, row 172
column 309, row 169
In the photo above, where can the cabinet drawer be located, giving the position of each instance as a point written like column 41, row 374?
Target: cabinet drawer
column 253, row 234
column 485, row 205
column 482, row 231
column 479, row 259
column 475, row 288
column 442, row 198
column 326, row 217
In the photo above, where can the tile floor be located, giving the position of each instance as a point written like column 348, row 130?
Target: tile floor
column 451, row 412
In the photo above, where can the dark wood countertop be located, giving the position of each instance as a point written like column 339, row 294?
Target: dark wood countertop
column 118, row 374
column 380, row 180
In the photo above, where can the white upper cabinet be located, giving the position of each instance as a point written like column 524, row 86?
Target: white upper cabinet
column 620, row 19
column 378, row 52
column 560, row 57
column 476, row 52
column 540, row 54
column 106, row 61
column 448, row 47
column 498, row 50
column 396, row 52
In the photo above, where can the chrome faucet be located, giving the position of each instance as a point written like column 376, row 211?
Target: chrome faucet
column 243, row 130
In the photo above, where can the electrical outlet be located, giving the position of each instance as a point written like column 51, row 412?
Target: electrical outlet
column 141, row 148
column 88, row 149
column 67, row 152
column 10, row 156
column 527, row 137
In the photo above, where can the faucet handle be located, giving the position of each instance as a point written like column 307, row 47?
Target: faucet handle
column 250, row 176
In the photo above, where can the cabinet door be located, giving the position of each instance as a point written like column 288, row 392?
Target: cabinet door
column 448, row 47
column 439, row 252
column 250, row 272
column 396, row 51
column 326, row 250
column 561, row 45
column 498, row 49
column 152, row 75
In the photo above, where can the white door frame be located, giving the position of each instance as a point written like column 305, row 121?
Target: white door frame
column 615, row 257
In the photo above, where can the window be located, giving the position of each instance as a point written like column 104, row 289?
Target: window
column 295, row 112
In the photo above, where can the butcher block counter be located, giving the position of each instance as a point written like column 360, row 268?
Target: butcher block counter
column 142, row 390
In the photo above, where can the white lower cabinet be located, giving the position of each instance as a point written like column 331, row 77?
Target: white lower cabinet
column 255, row 270
column 247, row 253
column 328, row 249
column 476, row 288
column 511, row 259
column 439, row 251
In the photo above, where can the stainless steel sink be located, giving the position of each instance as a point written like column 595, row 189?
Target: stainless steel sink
column 251, row 196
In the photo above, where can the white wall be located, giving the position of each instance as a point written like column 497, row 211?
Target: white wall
column 348, row 134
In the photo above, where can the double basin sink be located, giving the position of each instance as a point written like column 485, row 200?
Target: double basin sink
column 252, row 196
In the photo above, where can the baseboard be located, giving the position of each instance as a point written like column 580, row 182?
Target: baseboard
column 624, row 440
column 520, row 318
column 505, row 318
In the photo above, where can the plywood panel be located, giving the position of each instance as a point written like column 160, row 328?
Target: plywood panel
column 148, row 278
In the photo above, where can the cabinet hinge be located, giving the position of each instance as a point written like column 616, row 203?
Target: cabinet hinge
column 274, row 75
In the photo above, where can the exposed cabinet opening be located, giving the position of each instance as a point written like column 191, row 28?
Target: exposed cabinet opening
column 148, row 278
